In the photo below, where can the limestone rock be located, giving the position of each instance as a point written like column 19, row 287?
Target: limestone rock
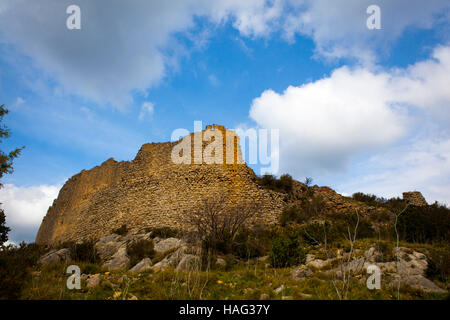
column 168, row 244
column 189, row 262
column 118, row 261
column 175, row 257
column 161, row 266
column 318, row 263
column 300, row 273
column 279, row 289
column 55, row 256
column 107, row 246
column 143, row 265
column 422, row 283
column 93, row 281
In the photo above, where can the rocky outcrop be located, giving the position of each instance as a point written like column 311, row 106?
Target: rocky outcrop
column 143, row 265
column 55, row 256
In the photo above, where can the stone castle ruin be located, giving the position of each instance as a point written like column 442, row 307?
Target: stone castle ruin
column 153, row 191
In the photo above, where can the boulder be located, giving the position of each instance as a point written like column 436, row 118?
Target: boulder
column 175, row 257
column 168, row 244
column 421, row 283
column 55, row 256
column 107, row 246
column 279, row 289
column 93, row 281
column 189, row 262
column 300, row 273
column 118, row 261
column 161, row 266
column 318, row 263
column 221, row 262
column 144, row 265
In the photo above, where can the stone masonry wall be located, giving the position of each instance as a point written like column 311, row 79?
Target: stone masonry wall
column 149, row 191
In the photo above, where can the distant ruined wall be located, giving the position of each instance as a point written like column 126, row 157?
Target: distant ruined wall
column 414, row 198
column 150, row 191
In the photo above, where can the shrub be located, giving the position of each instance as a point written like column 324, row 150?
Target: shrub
column 16, row 264
column 425, row 224
column 309, row 208
column 251, row 243
column 287, row 250
column 140, row 249
column 290, row 214
column 362, row 197
column 316, row 233
column 217, row 224
column 439, row 264
column 82, row 252
column 284, row 184
column 386, row 251
column 123, row 230
column 164, row 232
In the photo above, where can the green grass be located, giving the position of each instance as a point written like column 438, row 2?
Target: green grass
column 245, row 280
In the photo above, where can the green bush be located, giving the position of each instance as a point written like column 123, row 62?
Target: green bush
column 287, row 250
column 310, row 207
column 82, row 252
column 284, row 184
column 164, row 232
column 251, row 243
column 439, row 264
column 425, row 224
column 123, row 230
column 140, row 249
column 291, row 214
column 16, row 264
column 316, row 233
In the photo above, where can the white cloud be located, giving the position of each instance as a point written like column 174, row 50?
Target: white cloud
column 338, row 28
column 422, row 165
column 324, row 124
column 125, row 48
column 147, row 109
column 122, row 48
column 25, row 208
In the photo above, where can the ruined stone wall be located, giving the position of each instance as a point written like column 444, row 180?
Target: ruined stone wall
column 414, row 198
column 150, row 191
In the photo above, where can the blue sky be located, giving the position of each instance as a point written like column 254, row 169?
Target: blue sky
column 357, row 109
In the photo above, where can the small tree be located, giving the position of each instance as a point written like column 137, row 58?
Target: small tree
column 6, row 166
column 3, row 228
column 217, row 221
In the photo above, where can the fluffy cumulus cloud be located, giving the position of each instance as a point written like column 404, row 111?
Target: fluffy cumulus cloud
column 358, row 112
column 422, row 164
column 25, row 208
column 126, row 47
column 122, row 47
column 339, row 28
